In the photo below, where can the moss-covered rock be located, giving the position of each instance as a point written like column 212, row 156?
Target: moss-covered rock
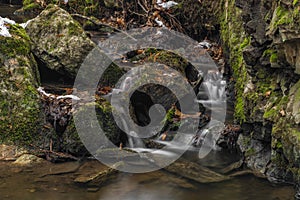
column 72, row 141
column 59, row 41
column 266, row 82
column 235, row 39
column 20, row 112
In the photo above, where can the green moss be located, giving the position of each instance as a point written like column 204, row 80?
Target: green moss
column 270, row 113
column 111, row 75
column 295, row 2
column 271, row 54
column 285, row 17
column 169, row 116
column 20, row 106
column 273, row 111
column 31, row 7
column 273, row 58
column 246, row 42
column 282, row 16
column 16, row 45
column 90, row 10
column 235, row 38
column 278, row 145
column 250, row 152
column 74, row 29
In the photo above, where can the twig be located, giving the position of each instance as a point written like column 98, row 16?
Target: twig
column 140, row 4
column 102, row 24
column 138, row 14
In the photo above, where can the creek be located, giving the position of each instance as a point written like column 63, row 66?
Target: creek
column 42, row 181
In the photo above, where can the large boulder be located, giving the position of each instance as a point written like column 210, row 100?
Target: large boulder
column 59, row 41
column 20, row 114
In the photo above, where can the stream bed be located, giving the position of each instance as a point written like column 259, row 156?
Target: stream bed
column 43, row 182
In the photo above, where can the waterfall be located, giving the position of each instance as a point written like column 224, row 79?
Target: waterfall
column 214, row 87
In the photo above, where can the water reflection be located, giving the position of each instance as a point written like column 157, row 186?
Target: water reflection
column 28, row 183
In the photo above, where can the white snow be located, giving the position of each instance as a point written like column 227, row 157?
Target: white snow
column 166, row 5
column 42, row 91
column 3, row 29
column 205, row 44
column 160, row 23
column 23, row 25
column 76, row 98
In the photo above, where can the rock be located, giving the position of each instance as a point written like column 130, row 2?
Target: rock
column 292, row 52
column 20, row 114
column 60, row 169
column 232, row 167
column 59, row 41
column 12, row 2
column 10, row 152
column 73, row 142
column 28, row 160
column 195, row 172
column 251, row 55
column 99, row 178
column 257, row 154
column 278, row 174
column 294, row 103
column 269, row 111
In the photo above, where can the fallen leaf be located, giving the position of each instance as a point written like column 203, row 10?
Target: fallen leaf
column 282, row 112
column 268, row 93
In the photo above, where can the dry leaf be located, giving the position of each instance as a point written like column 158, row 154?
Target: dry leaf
column 268, row 93
column 282, row 112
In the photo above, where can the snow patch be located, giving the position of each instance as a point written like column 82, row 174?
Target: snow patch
column 3, row 26
column 166, row 5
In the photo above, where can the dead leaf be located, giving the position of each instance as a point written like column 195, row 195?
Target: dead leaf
column 268, row 93
column 282, row 112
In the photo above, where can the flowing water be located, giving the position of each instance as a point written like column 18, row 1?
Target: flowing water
column 32, row 183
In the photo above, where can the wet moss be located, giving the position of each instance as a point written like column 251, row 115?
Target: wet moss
column 250, row 152
column 111, row 75
column 283, row 16
column 73, row 143
column 20, row 106
column 278, row 104
column 235, row 39
column 271, row 54
column 31, row 7
column 18, row 44
column 74, row 29
column 273, row 58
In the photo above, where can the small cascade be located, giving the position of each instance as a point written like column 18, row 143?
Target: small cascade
column 212, row 90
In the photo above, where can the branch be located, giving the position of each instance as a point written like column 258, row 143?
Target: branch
column 98, row 23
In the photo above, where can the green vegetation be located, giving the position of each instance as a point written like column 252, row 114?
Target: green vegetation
column 272, row 55
column 19, row 107
column 18, row 44
column 250, row 152
column 236, row 40
column 285, row 17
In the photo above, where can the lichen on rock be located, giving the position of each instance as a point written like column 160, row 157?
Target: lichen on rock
column 59, row 41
